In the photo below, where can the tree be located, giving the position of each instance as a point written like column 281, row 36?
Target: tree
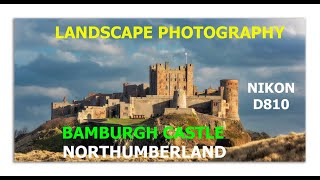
column 20, row 132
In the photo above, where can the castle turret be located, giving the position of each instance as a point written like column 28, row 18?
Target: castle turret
column 230, row 94
column 179, row 99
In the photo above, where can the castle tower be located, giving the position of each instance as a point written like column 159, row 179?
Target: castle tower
column 165, row 80
column 230, row 94
column 179, row 99
column 189, row 80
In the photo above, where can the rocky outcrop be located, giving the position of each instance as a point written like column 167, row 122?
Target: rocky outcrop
column 255, row 136
column 234, row 131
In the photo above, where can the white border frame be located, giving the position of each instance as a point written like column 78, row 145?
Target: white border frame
column 310, row 12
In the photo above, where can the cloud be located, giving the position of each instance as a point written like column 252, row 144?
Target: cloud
column 114, row 85
column 246, row 53
column 272, row 71
column 24, row 57
column 145, row 54
column 293, row 26
column 37, row 110
column 111, row 61
column 157, row 54
column 66, row 56
column 84, row 45
column 52, row 92
column 28, row 32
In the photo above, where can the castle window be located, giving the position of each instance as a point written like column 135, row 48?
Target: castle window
column 175, row 79
column 166, row 87
column 126, row 108
column 184, row 88
column 175, row 87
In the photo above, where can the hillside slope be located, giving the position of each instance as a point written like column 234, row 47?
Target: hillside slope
column 46, row 137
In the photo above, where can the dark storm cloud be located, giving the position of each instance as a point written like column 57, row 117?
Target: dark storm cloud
column 247, row 53
column 75, row 76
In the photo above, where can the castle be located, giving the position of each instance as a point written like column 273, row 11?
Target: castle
column 168, row 90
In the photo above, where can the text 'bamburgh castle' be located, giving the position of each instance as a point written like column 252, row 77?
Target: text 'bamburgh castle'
column 169, row 91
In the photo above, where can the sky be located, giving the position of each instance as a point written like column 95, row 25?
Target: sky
column 46, row 69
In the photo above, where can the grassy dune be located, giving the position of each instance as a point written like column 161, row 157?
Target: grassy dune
column 290, row 147
column 283, row 148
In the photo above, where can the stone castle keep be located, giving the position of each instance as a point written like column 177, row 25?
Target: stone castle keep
column 169, row 91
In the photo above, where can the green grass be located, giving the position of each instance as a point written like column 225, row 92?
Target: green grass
column 125, row 122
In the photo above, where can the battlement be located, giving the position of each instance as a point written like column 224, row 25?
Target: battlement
column 160, row 66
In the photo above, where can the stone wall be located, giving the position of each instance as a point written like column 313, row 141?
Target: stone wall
column 154, row 105
column 125, row 110
column 61, row 109
column 202, row 103
column 130, row 90
column 150, row 106
column 143, row 89
column 113, row 108
column 92, row 112
column 179, row 111
column 219, row 108
column 133, row 90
